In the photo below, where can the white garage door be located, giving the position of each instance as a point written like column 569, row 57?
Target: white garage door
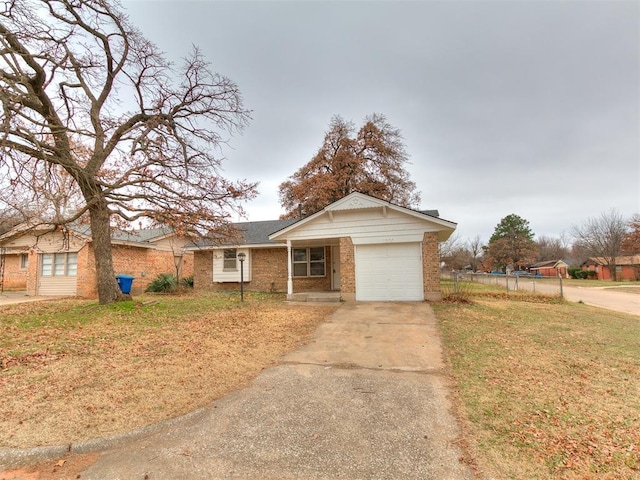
column 389, row 272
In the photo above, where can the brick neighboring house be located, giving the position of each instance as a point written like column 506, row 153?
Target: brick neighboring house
column 627, row 267
column 47, row 261
column 550, row 268
column 363, row 247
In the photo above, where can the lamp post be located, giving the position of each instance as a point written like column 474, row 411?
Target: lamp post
column 241, row 257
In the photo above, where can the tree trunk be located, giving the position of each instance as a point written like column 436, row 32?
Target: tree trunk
column 108, row 290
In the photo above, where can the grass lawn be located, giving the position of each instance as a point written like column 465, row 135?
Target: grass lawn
column 550, row 390
column 73, row 369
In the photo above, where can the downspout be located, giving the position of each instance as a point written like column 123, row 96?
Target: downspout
column 289, row 270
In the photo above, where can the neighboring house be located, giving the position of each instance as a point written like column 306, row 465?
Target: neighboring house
column 627, row 267
column 363, row 247
column 44, row 260
column 550, row 268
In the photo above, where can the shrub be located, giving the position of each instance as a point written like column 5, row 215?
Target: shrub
column 582, row 274
column 187, row 282
column 457, row 291
column 574, row 272
column 163, row 283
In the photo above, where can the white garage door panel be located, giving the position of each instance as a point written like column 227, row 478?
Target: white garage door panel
column 389, row 272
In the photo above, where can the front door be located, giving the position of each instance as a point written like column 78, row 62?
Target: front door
column 335, row 268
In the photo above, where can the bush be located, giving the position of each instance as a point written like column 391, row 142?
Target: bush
column 574, row 272
column 187, row 282
column 582, row 274
column 457, row 291
column 163, row 283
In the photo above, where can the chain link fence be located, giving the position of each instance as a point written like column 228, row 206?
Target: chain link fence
column 511, row 282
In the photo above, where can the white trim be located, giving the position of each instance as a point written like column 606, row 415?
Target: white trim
column 224, row 247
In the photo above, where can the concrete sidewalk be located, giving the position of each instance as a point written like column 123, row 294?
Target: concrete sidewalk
column 365, row 399
column 12, row 298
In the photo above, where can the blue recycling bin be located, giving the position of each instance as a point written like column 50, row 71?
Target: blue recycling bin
column 125, row 282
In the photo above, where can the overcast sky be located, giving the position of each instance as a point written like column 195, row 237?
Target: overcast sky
column 506, row 107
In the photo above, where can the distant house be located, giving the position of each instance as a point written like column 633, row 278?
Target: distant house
column 360, row 246
column 627, row 267
column 44, row 260
column 550, row 268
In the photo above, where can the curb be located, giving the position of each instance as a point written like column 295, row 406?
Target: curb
column 23, row 457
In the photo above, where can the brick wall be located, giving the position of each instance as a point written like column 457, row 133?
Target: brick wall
column 430, row 267
column 269, row 270
column 347, row 270
column 15, row 278
column 87, row 278
column 141, row 263
column 268, row 273
column 202, row 269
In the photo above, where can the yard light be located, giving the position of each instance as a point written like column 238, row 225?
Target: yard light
column 241, row 257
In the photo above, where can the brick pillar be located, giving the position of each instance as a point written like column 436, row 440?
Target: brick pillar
column 347, row 270
column 430, row 266
column 32, row 272
column 87, row 276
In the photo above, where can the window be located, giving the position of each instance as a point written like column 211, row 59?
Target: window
column 230, row 255
column 308, row 262
column 24, row 261
column 59, row 264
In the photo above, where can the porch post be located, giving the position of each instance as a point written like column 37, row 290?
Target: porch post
column 289, row 270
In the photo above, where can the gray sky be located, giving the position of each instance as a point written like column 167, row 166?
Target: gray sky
column 525, row 107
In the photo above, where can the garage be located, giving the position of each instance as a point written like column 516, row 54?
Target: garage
column 389, row 272
column 386, row 252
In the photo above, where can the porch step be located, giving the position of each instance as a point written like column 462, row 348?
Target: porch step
column 314, row 297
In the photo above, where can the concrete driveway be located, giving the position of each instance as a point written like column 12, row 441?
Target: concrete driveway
column 367, row 398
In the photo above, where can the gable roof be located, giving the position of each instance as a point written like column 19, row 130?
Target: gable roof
column 548, row 264
column 360, row 201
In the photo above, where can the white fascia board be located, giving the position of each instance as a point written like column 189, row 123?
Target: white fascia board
column 225, row 247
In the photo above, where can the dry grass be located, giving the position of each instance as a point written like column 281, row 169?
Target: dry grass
column 551, row 390
column 73, row 370
column 635, row 290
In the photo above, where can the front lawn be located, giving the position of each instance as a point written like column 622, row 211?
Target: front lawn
column 551, row 390
column 73, row 369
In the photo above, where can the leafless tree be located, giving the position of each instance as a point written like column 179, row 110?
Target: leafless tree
column 550, row 248
column 84, row 92
column 449, row 246
column 475, row 249
column 602, row 237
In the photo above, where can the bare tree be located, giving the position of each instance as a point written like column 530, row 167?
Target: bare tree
column 552, row 248
column 448, row 247
column 475, row 249
column 83, row 91
column 452, row 253
column 371, row 161
column 602, row 237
